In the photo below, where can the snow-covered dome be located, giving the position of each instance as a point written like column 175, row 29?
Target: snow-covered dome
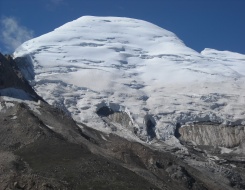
column 138, row 66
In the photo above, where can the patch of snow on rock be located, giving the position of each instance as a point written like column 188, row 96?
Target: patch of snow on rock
column 10, row 95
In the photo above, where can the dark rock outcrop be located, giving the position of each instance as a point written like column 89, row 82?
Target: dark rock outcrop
column 11, row 77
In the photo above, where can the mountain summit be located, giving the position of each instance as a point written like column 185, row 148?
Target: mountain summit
column 150, row 113
column 103, row 69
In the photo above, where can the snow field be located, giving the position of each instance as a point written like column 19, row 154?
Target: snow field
column 138, row 66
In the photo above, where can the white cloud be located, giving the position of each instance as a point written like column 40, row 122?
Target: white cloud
column 13, row 34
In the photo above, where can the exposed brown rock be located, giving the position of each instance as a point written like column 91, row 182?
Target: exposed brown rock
column 213, row 134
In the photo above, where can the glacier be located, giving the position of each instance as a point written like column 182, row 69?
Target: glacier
column 136, row 67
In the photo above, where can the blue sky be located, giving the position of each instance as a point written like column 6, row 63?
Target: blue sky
column 217, row 24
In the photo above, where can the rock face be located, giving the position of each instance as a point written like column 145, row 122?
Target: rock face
column 213, row 134
column 119, row 117
column 12, row 78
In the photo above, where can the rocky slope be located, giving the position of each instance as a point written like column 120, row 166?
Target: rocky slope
column 42, row 147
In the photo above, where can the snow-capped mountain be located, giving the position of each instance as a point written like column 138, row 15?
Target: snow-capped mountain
column 135, row 67
column 42, row 147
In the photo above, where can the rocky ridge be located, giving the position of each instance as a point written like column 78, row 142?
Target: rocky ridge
column 11, row 78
